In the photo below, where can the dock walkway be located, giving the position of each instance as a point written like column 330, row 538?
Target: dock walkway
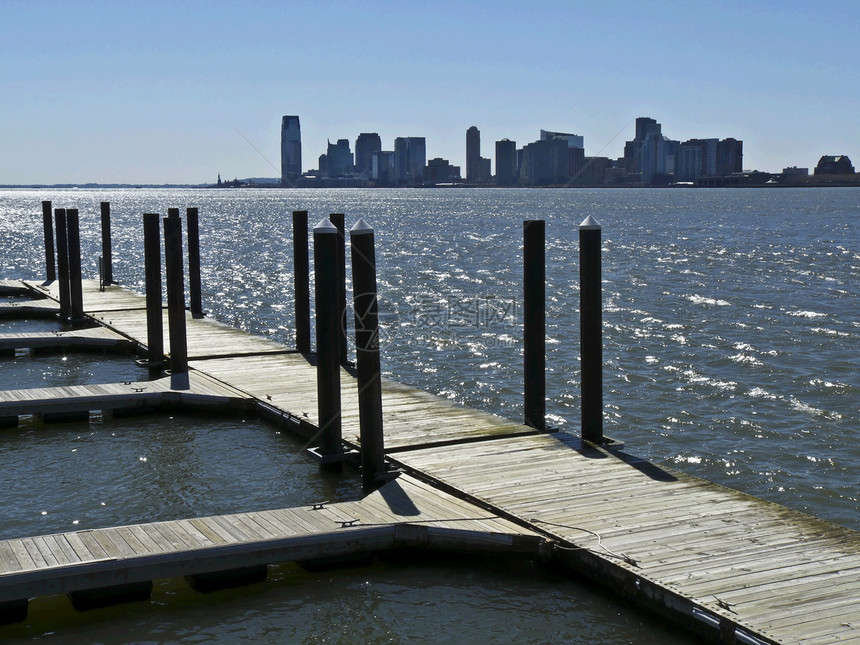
column 709, row 557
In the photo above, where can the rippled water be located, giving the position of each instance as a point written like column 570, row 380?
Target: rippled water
column 731, row 325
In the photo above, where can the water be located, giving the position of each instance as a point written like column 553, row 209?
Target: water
column 731, row 330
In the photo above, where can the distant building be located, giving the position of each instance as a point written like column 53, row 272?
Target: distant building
column 365, row 145
column 794, row 171
column 594, row 171
column 291, row 149
column 473, row 153
column 382, row 168
column 506, row 162
column 440, row 171
column 410, row 157
column 340, row 160
column 545, row 163
column 688, row 162
column 834, row 165
column 478, row 169
column 632, row 149
column 573, row 140
column 730, row 156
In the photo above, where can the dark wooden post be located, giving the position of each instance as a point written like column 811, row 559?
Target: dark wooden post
column 107, row 253
column 301, row 281
column 154, row 315
column 175, row 302
column 534, row 323
column 338, row 220
column 365, row 305
column 194, row 286
column 76, row 295
column 591, row 330
column 48, row 226
column 63, row 263
column 328, row 338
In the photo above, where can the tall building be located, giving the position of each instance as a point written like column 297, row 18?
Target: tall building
column 545, row 162
column 366, row 144
column 506, row 162
column 340, row 159
column 644, row 126
column 383, row 168
column 730, row 156
column 291, row 149
column 473, row 153
column 410, row 157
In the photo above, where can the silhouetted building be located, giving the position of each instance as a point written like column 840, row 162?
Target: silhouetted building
column 573, row 140
column 410, row 157
column 365, row 145
column 473, row 153
column 291, row 149
column 382, row 169
column 834, row 165
column 593, row 171
column 323, row 166
column 657, row 158
column 545, row 163
column 440, row 171
column 506, row 162
column 632, row 149
column 688, row 162
column 730, row 156
column 340, row 159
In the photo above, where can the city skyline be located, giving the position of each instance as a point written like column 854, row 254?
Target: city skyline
column 167, row 93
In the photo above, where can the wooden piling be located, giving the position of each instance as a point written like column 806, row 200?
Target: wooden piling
column 338, row 220
column 328, row 338
column 534, row 323
column 63, row 263
column 48, row 226
column 591, row 330
column 301, row 281
column 365, row 306
column 107, row 252
column 175, row 302
column 194, row 286
column 76, row 292
column 154, row 315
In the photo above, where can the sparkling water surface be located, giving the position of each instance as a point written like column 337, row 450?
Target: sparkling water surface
column 731, row 335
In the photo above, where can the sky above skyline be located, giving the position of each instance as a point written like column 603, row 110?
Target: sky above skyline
column 165, row 92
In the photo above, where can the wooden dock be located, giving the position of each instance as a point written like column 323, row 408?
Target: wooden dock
column 727, row 565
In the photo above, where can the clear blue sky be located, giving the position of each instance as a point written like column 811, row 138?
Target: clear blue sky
column 175, row 92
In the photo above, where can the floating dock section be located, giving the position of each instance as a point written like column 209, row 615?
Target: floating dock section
column 733, row 568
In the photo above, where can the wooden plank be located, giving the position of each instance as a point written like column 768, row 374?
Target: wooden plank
column 7, row 558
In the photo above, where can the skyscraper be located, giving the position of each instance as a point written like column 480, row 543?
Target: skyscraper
column 339, row 158
column 366, row 144
column 291, row 149
column 410, row 156
column 473, row 154
column 506, row 162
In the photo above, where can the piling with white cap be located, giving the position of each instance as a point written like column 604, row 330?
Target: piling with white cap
column 369, row 373
column 328, row 334
column 338, row 220
column 591, row 330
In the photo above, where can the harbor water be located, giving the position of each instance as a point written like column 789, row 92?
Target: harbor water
column 731, row 336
